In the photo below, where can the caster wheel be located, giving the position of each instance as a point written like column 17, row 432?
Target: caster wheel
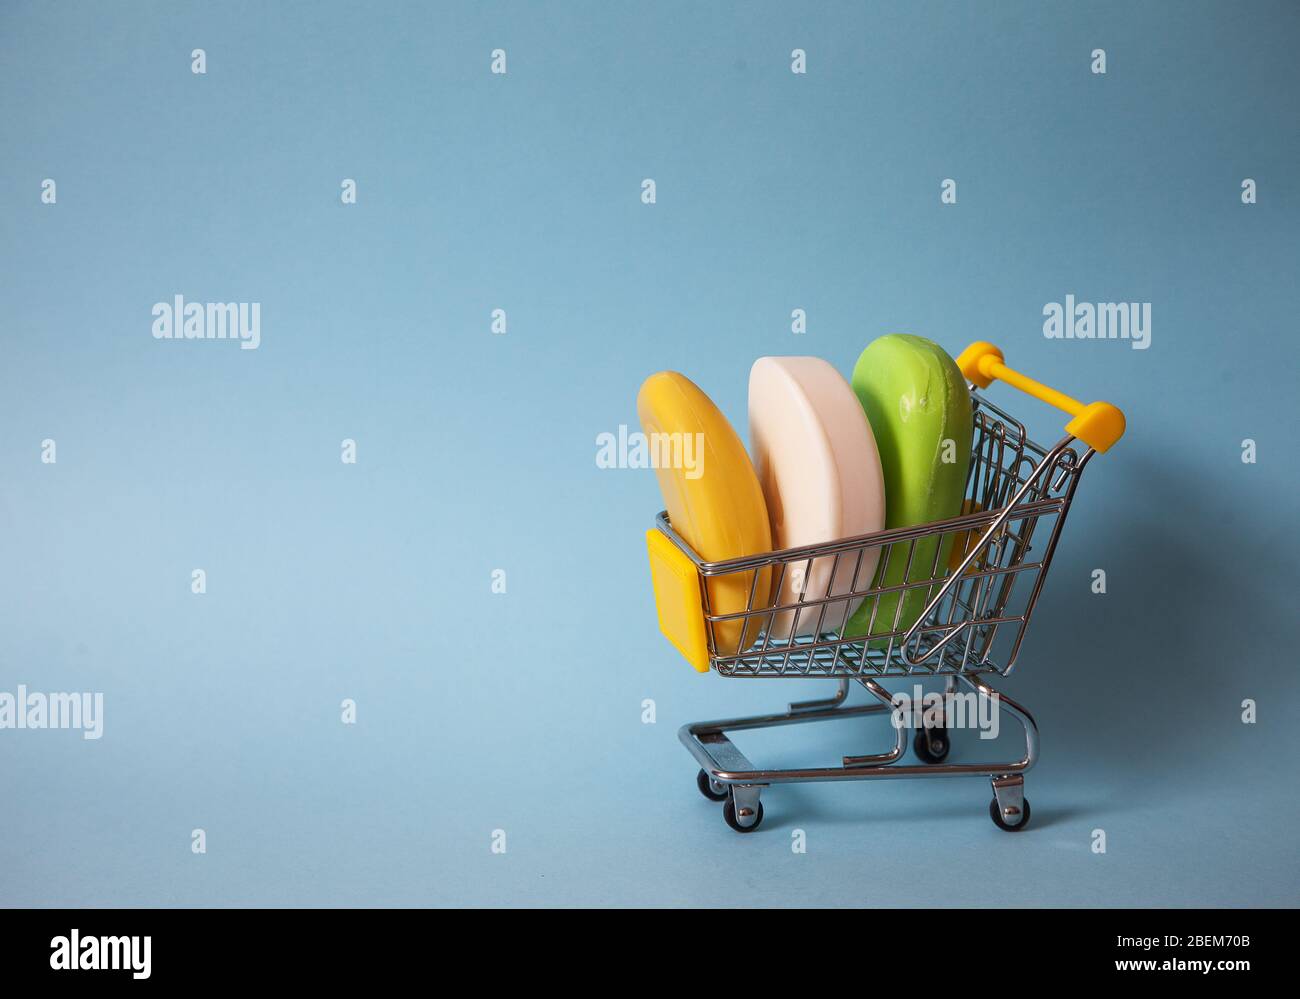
column 729, row 813
column 995, row 814
column 706, row 787
column 935, row 748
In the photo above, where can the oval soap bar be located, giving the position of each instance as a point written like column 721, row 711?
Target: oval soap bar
column 817, row 463
column 711, row 494
column 916, row 400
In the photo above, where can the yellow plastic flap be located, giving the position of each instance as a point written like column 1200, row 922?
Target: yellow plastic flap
column 677, row 599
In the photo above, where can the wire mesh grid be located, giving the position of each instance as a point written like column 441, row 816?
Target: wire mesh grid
column 960, row 604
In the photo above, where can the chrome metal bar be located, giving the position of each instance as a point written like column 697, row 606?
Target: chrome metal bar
column 900, row 739
column 878, row 540
column 838, row 698
column 724, row 763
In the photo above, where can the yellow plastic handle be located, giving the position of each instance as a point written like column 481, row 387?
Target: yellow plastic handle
column 1097, row 424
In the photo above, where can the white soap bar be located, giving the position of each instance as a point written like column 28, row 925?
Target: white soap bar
column 817, row 462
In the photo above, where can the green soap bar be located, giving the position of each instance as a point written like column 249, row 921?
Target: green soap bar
column 915, row 398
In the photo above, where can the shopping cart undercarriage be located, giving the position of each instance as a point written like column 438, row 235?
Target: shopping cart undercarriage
column 728, row 776
column 982, row 573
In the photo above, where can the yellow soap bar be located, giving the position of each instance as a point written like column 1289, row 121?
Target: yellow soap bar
column 712, row 496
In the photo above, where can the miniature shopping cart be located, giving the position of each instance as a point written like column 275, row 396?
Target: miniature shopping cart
column 980, row 600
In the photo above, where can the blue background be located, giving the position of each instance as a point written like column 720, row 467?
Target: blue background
column 477, row 191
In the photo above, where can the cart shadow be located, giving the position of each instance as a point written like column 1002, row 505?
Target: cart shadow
column 1122, row 682
column 790, row 807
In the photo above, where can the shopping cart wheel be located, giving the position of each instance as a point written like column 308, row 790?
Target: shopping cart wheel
column 710, row 788
column 995, row 814
column 729, row 813
column 931, row 745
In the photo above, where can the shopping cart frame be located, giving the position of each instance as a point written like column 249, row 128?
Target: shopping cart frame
column 1014, row 486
